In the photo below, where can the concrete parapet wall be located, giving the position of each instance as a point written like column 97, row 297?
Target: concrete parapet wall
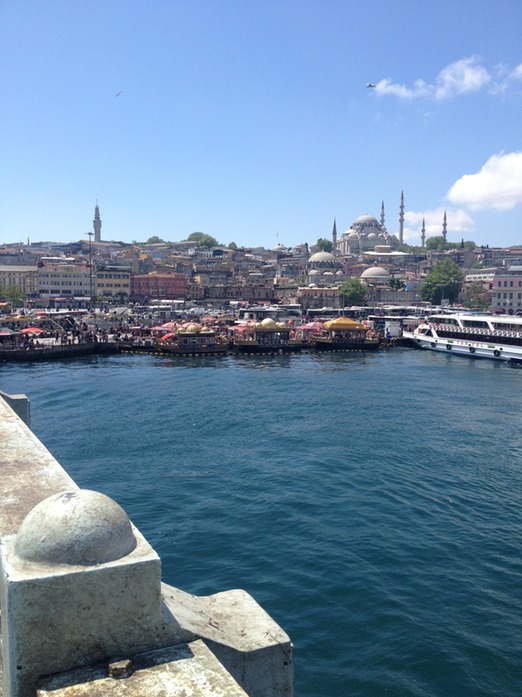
column 80, row 586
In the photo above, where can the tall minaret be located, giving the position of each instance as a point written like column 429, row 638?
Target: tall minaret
column 423, row 233
column 382, row 214
column 444, row 227
column 334, row 238
column 401, row 220
column 97, row 223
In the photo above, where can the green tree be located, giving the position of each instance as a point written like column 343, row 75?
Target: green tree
column 443, row 281
column 154, row 240
column 396, row 283
column 204, row 241
column 232, row 245
column 12, row 294
column 353, row 292
column 436, row 244
column 324, row 245
column 475, row 297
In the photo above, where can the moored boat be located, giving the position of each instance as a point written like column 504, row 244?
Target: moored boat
column 193, row 340
column 267, row 336
column 498, row 337
column 345, row 334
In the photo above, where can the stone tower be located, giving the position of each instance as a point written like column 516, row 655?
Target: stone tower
column 423, row 233
column 97, row 224
column 334, row 238
column 382, row 214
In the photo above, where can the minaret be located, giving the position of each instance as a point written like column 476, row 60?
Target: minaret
column 401, row 220
column 444, row 227
column 97, row 223
column 334, row 238
column 382, row 214
column 423, row 233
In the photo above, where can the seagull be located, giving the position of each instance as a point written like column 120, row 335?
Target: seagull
column 370, row 84
column 118, row 93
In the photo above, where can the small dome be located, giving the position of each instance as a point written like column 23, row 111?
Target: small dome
column 339, row 273
column 75, row 527
column 281, row 325
column 372, row 236
column 193, row 328
column 268, row 323
column 376, row 272
column 328, row 273
column 321, row 256
column 314, row 272
column 353, row 234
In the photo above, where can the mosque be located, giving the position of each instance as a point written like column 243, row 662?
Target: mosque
column 366, row 234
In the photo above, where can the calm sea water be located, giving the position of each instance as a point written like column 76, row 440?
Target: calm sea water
column 370, row 503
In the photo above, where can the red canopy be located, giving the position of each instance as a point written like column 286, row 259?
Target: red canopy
column 32, row 330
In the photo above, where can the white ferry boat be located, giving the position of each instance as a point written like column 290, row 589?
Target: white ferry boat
column 478, row 335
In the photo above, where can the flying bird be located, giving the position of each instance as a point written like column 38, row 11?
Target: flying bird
column 118, row 93
column 370, row 84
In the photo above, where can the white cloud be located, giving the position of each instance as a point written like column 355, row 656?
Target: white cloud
column 462, row 77
column 516, row 74
column 497, row 186
column 458, row 223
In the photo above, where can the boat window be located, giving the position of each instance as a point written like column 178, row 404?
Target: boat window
column 482, row 324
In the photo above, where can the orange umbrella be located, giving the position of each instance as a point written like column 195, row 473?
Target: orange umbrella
column 32, row 330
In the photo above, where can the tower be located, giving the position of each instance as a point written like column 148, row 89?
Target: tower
column 423, row 233
column 444, row 227
column 97, row 223
column 382, row 214
column 334, row 238
column 401, row 220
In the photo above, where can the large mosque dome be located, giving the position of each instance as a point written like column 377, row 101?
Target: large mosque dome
column 363, row 235
column 321, row 257
column 375, row 274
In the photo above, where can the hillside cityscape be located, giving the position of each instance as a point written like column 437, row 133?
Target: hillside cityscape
column 363, row 265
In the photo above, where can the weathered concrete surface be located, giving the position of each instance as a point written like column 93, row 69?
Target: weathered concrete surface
column 56, row 617
column 189, row 670
column 253, row 648
column 20, row 404
column 28, row 471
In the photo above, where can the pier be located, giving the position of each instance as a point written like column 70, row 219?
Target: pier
column 83, row 607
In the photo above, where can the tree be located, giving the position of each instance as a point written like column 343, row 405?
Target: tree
column 204, row 241
column 436, row 244
column 154, row 240
column 443, row 282
column 12, row 294
column 353, row 291
column 324, row 245
column 396, row 283
column 475, row 297
column 232, row 245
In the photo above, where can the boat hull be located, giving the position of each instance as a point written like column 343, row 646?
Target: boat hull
column 472, row 348
column 328, row 345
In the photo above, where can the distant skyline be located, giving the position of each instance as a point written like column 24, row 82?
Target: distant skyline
column 253, row 123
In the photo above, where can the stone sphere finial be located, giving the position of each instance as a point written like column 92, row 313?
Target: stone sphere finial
column 79, row 527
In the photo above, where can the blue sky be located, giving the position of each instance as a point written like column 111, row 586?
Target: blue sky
column 251, row 120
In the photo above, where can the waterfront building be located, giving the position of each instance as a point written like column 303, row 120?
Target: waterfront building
column 65, row 277
column 113, row 281
column 25, row 278
column 159, row 286
column 506, row 293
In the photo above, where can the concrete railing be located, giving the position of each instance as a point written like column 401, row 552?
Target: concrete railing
column 83, row 608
